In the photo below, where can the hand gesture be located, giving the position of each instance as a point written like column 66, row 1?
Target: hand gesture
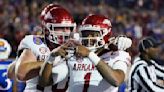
column 57, row 54
column 82, row 50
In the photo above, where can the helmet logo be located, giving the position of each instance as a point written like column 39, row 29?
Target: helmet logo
column 48, row 16
column 106, row 21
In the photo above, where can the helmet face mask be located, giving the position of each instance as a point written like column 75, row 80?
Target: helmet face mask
column 96, row 27
column 91, row 39
column 58, row 35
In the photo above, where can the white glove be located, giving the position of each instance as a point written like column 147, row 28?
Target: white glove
column 123, row 42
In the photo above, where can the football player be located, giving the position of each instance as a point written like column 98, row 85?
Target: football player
column 33, row 50
column 102, row 73
column 89, row 72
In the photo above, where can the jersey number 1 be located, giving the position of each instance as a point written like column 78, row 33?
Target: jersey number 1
column 87, row 80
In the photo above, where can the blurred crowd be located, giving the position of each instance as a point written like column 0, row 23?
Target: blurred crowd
column 134, row 18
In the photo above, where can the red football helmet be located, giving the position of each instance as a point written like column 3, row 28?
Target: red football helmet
column 46, row 9
column 96, row 28
column 56, row 17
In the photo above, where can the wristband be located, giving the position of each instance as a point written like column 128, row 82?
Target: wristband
column 94, row 58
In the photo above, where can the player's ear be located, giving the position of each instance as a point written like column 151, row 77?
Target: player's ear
column 146, row 50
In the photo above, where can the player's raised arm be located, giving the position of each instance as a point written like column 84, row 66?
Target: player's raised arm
column 114, row 76
column 55, row 68
column 26, row 66
column 94, row 32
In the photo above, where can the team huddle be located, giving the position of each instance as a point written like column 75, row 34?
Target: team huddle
column 70, row 59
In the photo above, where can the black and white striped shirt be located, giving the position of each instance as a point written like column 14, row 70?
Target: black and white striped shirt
column 143, row 77
column 159, row 70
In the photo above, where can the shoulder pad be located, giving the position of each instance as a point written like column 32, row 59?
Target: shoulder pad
column 29, row 41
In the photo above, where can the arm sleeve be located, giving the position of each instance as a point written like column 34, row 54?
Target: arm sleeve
column 159, row 70
column 121, row 65
column 59, row 72
column 24, row 44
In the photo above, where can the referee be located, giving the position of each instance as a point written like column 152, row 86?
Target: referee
column 143, row 77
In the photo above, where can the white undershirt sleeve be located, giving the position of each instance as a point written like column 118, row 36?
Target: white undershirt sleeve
column 59, row 72
column 121, row 65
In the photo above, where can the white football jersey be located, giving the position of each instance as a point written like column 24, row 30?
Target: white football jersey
column 41, row 51
column 84, row 76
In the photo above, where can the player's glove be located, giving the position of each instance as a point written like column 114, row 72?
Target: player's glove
column 123, row 42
